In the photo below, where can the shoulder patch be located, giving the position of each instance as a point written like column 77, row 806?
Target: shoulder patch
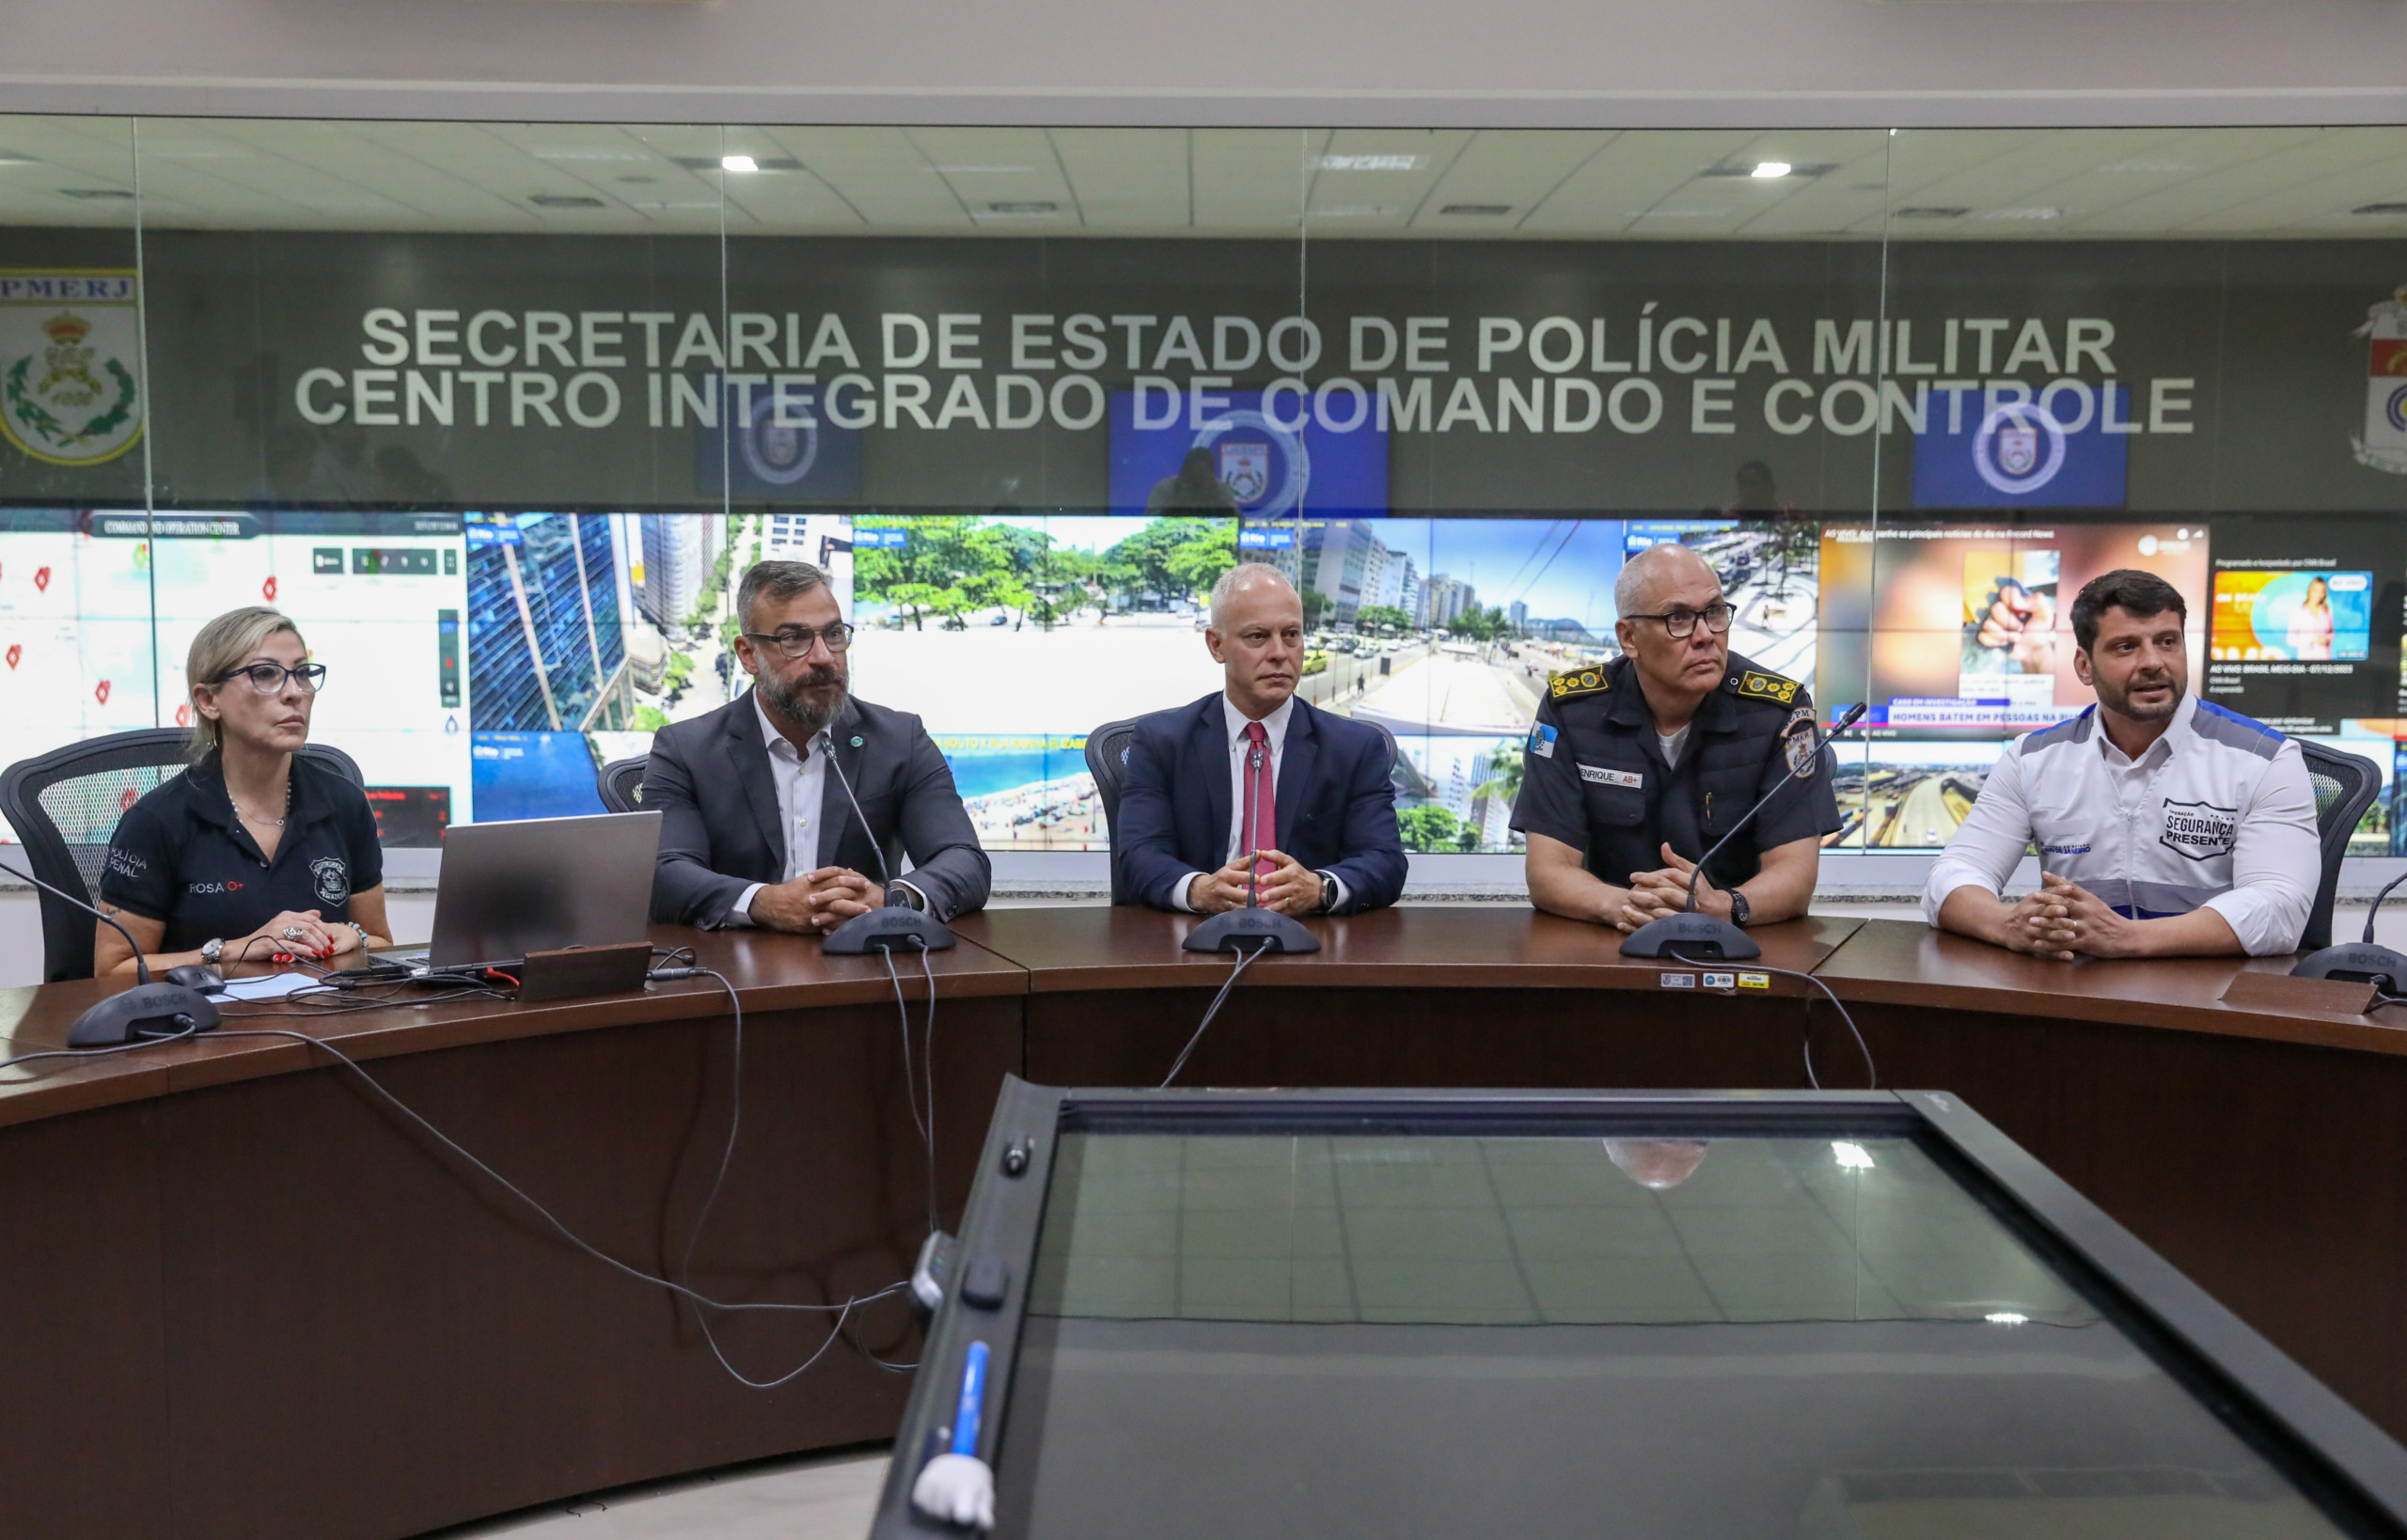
column 1755, row 684
column 1578, row 682
column 2072, row 730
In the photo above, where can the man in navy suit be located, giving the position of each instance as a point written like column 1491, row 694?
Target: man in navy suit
column 1252, row 776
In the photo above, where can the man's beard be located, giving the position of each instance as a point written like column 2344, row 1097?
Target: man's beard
column 786, row 699
column 2119, row 701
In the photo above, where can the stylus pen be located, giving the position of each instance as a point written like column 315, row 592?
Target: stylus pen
column 973, row 1393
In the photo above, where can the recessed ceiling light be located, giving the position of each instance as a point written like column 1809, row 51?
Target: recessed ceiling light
column 1373, row 163
column 95, row 193
column 725, row 163
column 638, row 180
column 2006, row 1318
column 9, row 157
column 1767, row 170
column 1770, row 171
column 2023, row 214
column 565, row 201
column 1024, row 210
column 1350, row 210
column 2380, row 210
column 1932, row 210
column 1487, row 210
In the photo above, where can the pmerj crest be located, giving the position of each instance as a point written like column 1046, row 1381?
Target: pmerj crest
column 2383, row 446
column 68, row 394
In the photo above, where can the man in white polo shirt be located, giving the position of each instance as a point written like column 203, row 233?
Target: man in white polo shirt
column 2166, row 826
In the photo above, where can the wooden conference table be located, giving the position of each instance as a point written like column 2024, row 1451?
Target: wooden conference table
column 242, row 1296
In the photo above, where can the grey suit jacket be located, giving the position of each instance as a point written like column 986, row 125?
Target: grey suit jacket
column 720, row 832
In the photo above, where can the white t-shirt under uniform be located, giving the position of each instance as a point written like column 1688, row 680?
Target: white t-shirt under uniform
column 2216, row 814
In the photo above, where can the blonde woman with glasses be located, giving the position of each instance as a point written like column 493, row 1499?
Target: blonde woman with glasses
column 254, row 850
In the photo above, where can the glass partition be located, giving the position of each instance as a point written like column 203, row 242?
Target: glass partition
column 499, row 413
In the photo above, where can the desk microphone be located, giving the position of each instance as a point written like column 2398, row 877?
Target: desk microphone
column 1689, row 935
column 2360, row 962
column 893, row 925
column 146, row 1010
column 1253, row 929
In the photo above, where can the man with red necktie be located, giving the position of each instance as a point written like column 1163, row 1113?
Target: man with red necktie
column 1252, row 794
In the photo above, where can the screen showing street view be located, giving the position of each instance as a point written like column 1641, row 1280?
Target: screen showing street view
column 485, row 665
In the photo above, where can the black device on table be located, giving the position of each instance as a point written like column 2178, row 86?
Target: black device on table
column 172, row 1007
column 1689, row 936
column 898, row 922
column 1426, row 1314
column 1253, row 928
column 2360, row 962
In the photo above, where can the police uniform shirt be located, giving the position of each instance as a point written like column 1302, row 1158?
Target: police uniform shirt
column 2218, row 813
column 181, row 857
column 1594, row 776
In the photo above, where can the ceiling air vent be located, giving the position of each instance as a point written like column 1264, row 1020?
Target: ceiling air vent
column 1485, row 211
column 563, row 201
column 1932, row 210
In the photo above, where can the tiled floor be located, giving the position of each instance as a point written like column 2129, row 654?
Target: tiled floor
column 827, row 1497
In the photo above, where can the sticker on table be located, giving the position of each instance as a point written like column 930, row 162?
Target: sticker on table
column 1677, row 981
column 1754, row 980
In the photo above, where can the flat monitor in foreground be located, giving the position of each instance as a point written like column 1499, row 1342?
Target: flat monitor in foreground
column 1422, row 1315
column 508, row 890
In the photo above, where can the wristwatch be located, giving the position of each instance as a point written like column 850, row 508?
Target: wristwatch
column 1328, row 892
column 1738, row 913
column 212, row 950
column 901, row 895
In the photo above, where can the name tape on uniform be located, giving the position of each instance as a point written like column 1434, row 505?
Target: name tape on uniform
column 1634, row 780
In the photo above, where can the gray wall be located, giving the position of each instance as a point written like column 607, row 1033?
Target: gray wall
column 1415, row 62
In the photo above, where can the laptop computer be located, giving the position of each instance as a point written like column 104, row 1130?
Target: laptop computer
column 538, row 884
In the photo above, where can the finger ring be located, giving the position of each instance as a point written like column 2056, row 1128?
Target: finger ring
column 290, row 932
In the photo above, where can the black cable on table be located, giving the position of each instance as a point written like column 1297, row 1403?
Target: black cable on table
column 1871, row 1074
column 1244, row 962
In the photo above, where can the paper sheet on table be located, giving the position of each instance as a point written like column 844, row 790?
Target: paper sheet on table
column 274, row 987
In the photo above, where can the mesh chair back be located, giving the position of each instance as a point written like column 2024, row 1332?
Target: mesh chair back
column 64, row 807
column 1108, row 761
column 2345, row 786
column 620, row 784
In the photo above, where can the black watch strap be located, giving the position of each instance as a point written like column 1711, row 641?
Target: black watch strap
column 1327, row 891
column 1740, row 914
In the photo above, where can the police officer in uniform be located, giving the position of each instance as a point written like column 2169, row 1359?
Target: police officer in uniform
column 1637, row 766
column 256, row 851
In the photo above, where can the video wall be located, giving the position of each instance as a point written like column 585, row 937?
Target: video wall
column 482, row 666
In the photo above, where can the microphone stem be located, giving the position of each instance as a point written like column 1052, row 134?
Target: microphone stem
column 141, row 968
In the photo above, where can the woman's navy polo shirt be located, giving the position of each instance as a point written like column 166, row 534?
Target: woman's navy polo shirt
column 180, row 856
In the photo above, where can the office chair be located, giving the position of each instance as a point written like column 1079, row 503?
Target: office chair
column 65, row 805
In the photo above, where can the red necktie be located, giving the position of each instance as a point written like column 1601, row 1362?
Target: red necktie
column 1260, row 830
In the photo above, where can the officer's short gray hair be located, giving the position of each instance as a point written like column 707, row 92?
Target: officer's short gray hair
column 1242, row 574
column 222, row 646
column 779, row 580
column 1633, row 587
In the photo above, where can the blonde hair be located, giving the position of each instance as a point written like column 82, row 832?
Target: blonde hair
column 224, row 645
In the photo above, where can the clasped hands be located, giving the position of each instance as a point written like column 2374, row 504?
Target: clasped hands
column 816, row 902
column 1655, row 894
column 2066, row 921
column 1291, row 887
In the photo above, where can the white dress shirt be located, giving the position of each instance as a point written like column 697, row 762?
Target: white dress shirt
column 800, row 783
column 2216, row 814
column 1274, row 729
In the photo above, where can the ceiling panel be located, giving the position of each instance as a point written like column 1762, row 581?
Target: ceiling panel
column 1370, row 183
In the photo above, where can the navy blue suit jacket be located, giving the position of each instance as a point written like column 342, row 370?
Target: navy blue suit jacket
column 1336, row 804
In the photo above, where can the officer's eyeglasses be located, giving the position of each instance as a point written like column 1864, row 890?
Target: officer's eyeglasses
column 794, row 640
column 268, row 678
column 1681, row 624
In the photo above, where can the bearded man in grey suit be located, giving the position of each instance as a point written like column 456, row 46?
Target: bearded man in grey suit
column 779, row 805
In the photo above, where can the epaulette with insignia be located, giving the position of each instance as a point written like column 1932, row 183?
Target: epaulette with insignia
column 1573, row 681
column 1755, row 684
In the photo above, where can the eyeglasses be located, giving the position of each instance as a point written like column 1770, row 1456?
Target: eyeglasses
column 1681, row 624
column 794, row 641
column 268, row 678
